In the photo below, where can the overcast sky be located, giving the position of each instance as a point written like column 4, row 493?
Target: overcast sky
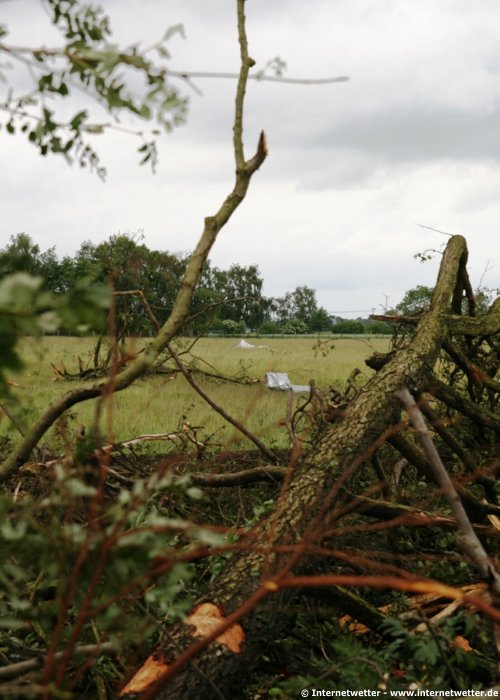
column 353, row 168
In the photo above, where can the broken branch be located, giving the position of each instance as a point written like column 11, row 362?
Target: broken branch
column 466, row 537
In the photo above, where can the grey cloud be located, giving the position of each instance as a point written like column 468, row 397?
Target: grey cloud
column 365, row 150
column 392, row 142
column 418, row 134
column 338, row 168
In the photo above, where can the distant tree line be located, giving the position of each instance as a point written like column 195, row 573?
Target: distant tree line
column 225, row 301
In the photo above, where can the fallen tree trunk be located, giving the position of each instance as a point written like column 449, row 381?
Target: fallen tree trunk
column 306, row 502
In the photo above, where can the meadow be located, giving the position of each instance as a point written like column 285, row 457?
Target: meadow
column 162, row 403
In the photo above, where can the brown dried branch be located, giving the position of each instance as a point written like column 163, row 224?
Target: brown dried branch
column 139, row 293
column 466, row 537
column 289, row 420
column 480, row 415
column 396, row 318
column 400, row 514
column 438, row 425
column 476, row 509
column 476, row 375
column 221, row 411
column 266, row 473
column 7, row 412
column 306, row 503
column 411, row 584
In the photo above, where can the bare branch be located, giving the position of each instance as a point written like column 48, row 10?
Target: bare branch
column 488, row 324
column 266, row 473
column 466, row 537
column 246, row 64
column 476, row 376
column 188, row 75
column 474, row 411
column 221, row 411
column 21, row 667
column 436, row 230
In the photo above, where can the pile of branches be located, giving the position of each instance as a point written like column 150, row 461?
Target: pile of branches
column 428, row 416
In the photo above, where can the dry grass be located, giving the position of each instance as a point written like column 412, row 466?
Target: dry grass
column 161, row 404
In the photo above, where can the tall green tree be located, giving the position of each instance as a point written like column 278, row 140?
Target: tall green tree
column 300, row 305
column 304, row 302
column 320, row 321
column 415, row 300
column 20, row 255
column 127, row 264
column 240, row 290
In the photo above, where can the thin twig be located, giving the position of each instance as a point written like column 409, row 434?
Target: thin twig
column 21, row 667
column 453, row 676
column 139, row 293
column 6, row 410
column 436, row 230
column 289, row 419
column 221, row 411
column 269, row 473
column 188, row 75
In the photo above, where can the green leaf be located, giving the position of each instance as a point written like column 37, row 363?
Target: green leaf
column 209, row 537
column 49, row 125
column 77, row 120
column 114, row 98
column 145, row 112
column 174, row 29
column 137, row 61
column 45, row 82
column 74, row 532
column 78, row 488
column 18, row 290
column 162, row 51
column 427, row 653
column 13, row 532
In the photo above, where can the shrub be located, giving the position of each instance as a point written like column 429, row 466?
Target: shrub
column 229, row 327
column 294, row 327
column 270, row 328
column 349, row 327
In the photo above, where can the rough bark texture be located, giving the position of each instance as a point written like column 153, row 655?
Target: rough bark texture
column 307, row 500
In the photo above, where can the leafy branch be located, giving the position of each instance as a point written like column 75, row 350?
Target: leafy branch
column 104, row 71
column 111, row 76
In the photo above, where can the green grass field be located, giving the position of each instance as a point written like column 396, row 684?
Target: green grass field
column 159, row 404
